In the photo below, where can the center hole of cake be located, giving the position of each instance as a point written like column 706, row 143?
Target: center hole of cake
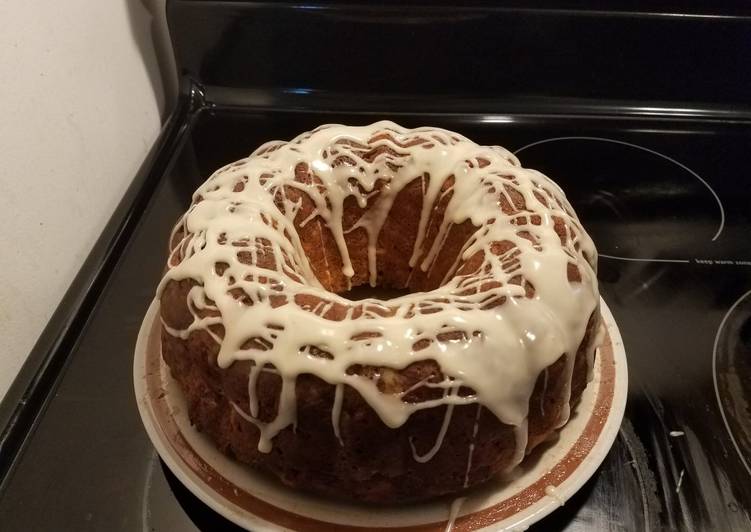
column 374, row 292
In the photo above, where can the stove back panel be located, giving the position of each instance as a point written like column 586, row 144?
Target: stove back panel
column 523, row 56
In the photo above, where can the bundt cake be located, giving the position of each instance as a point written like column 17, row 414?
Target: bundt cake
column 391, row 400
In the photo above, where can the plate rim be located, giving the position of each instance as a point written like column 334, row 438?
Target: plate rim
column 534, row 512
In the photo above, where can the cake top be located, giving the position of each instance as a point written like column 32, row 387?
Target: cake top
column 492, row 328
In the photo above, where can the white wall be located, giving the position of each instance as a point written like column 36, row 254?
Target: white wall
column 82, row 87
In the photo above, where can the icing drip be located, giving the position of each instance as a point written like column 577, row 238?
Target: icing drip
column 255, row 371
column 590, row 359
column 521, row 434
column 566, row 395
column 593, row 349
column 441, row 433
column 544, row 390
column 336, row 412
column 503, row 320
column 454, row 509
column 471, row 452
column 551, row 492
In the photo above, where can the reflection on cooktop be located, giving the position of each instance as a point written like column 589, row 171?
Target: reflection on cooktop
column 624, row 488
column 203, row 517
column 637, row 203
column 731, row 367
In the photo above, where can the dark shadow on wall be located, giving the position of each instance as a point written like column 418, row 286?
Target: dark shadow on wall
column 148, row 24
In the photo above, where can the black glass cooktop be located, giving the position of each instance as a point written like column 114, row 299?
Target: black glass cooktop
column 641, row 112
column 667, row 203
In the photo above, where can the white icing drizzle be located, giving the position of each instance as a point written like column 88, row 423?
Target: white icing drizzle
column 593, row 349
column 565, row 413
column 454, row 509
column 441, row 433
column 471, row 452
column 509, row 337
column 551, row 492
column 255, row 371
column 521, row 435
column 544, row 390
column 590, row 353
column 336, row 411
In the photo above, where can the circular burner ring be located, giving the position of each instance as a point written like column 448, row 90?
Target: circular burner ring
column 653, row 152
column 727, row 320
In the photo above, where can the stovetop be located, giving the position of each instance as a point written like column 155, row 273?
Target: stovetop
column 667, row 204
column 663, row 189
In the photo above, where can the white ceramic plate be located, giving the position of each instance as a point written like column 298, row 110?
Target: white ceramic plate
column 543, row 483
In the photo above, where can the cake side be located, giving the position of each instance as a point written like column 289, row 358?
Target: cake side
column 371, row 462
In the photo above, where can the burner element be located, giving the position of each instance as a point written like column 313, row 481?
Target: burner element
column 637, row 203
column 731, row 368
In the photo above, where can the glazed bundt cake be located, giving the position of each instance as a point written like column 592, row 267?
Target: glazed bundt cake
column 387, row 400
